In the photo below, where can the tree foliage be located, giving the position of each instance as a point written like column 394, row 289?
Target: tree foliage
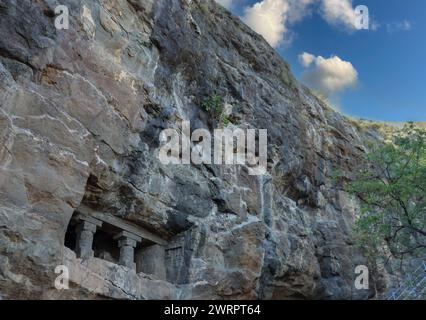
column 392, row 190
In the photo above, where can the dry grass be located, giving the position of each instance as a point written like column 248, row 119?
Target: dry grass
column 386, row 129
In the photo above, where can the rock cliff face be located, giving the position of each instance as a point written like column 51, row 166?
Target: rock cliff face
column 81, row 111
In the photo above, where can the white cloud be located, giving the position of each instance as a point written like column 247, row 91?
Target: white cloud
column 226, row 3
column 268, row 19
column 306, row 59
column 399, row 26
column 374, row 25
column 271, row 18
column 339, row 12
column 299, row 9
column 328, row 76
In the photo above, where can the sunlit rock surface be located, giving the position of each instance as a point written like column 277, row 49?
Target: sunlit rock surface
column 81, row 111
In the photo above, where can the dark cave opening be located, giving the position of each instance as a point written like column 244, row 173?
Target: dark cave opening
column 105, row 247
column 71, row 236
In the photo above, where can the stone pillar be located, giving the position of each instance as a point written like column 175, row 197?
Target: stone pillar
column 127, row 243
column 85, row 232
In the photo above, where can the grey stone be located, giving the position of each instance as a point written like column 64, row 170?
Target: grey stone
column 152, row 260
column 81, row 111
column 127, row 245
column 85, row 231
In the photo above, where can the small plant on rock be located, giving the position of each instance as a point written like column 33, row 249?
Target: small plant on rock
column 214, row 106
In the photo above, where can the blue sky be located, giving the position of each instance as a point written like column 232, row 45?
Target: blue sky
column 379, row 74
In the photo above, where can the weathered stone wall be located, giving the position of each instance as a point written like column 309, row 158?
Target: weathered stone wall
column 80, row 115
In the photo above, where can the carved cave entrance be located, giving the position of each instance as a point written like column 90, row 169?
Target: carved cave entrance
column 94, row 234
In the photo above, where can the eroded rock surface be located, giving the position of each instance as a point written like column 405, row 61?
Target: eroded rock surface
column 81, row 111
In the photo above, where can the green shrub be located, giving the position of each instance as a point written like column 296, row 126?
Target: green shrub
column 391, row 186
column 214, row 106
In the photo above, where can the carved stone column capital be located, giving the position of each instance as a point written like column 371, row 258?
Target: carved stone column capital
column 127, row 243
column 85, row 231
